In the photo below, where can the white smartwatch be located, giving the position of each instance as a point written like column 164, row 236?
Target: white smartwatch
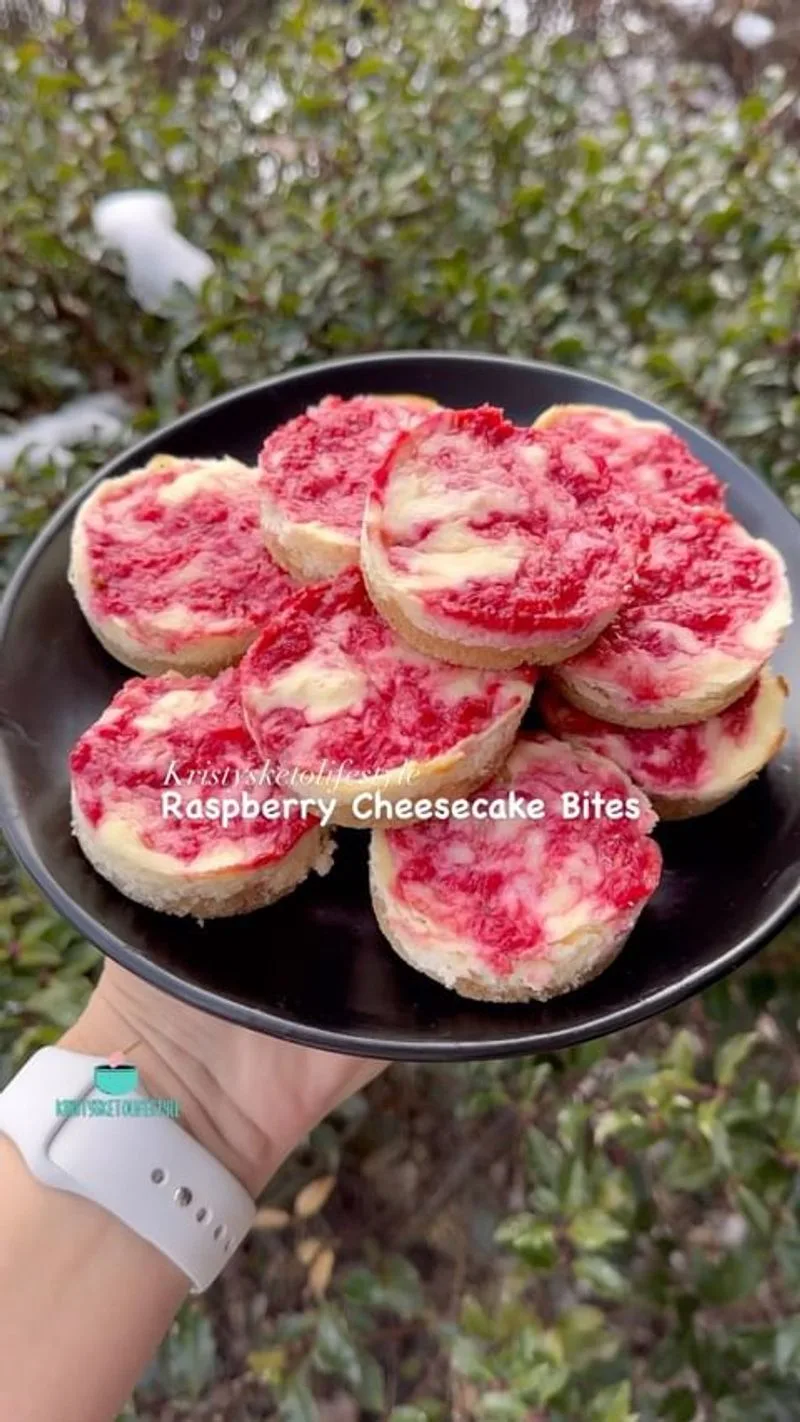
column 89, row 1129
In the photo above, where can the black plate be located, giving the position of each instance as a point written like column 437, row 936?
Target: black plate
column 315, row 967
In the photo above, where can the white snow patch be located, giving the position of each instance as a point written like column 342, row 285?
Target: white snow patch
column 753, row 31
column 99, row 419
column 141, row 225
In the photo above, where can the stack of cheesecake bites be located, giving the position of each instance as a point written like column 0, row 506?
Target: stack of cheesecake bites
column 370, row 612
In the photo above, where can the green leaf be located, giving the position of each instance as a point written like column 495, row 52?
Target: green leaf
column 679, row 1405
column 753, row 108
column 787, row 1248
column 371, row 1391
column 533, row 1240
column 593, row 1229
column 755, row 1211
column 545, row 1156
column 601, row 1276
column 393, row 1287
column 787, row 1347
column 683, row 1051
column 689, row 1167
column 61, row 1002
column 594, row 154
column 503, row 1407
column 734, row 1277
column 613, row 1404
column 297, row 1402
column 188, row 1357
column 269, row 1364
column 543, row 1382
column 748, row 422
column 732, row 1054
column 335, row 1350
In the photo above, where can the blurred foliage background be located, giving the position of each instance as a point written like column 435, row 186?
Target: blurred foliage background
column 612, row 1233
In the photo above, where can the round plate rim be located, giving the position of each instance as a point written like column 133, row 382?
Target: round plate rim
column 381, row 1044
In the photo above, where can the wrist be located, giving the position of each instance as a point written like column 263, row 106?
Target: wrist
column 167, row 1070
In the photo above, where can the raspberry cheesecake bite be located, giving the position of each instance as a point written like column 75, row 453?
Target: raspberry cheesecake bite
column 314, row 473
column 178, row 855
column 487, row 545
column 708, row 608
column 343, row 705
column 169, row 567
column 510, row 910
column 684, row 770
column 646, row 454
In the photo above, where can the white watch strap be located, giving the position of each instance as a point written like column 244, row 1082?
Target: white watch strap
column 143, row 1168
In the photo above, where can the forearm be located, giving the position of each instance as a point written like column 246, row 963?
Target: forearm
column 85, row 1302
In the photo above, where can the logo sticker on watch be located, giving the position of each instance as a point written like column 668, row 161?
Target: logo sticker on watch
column 116, row 1077
column 116, row 1080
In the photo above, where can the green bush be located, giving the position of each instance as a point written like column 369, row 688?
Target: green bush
column 612, row 1233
